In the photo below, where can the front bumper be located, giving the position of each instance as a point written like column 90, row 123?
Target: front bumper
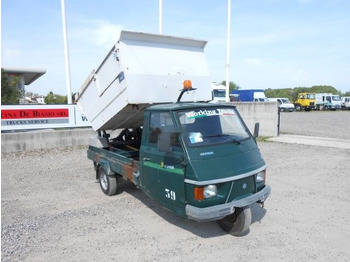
column 220, row 211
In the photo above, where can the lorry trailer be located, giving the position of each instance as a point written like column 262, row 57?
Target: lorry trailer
column 249, row 95
column 196, row 159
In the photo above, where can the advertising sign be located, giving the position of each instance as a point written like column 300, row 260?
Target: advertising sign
column 22, row 117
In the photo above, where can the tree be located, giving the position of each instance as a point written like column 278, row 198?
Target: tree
column 323, row 89
column 11, row 91
column 232, row 86
column 52, row 98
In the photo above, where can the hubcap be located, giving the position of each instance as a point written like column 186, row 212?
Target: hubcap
column 103, row 181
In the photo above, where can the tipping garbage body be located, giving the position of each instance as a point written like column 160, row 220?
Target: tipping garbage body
column 142, row 69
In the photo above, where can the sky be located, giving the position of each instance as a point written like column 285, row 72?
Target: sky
column 273, row 43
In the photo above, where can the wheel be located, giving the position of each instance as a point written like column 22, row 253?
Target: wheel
column 298, row 107
column 108, row 183
column 237, row 224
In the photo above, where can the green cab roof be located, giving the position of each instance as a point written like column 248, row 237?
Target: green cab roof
column 184, row 106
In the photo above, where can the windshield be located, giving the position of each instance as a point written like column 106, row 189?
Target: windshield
column 336, row 98
column 207, row 126
column 219, row 93
column 310, row 96
column 285, row 100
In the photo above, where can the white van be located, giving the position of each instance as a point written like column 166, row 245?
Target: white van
column 283, row 103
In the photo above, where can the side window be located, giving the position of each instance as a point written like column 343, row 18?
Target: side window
column 158, row 120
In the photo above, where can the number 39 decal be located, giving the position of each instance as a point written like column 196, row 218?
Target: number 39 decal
column 170, row 194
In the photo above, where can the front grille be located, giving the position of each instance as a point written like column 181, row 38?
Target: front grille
column 242, row 188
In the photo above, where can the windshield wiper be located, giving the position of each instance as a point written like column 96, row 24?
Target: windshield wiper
column 219, row 135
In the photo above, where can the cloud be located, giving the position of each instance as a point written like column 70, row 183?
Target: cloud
column 105, row 33
column 97, row 32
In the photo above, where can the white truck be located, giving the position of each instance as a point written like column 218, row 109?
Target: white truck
column 283, row 103
column 327, row 101
column 218, row 92
column 345, row 102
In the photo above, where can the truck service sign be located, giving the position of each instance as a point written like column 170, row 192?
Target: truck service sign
column 20, row 117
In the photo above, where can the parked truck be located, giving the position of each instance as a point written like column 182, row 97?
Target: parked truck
column 328, row 101
column 305, row 101
column 345, row 102
column 249, row 95
column 196, row 159
column 218, row 92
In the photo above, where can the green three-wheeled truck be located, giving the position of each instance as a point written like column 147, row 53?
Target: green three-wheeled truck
column 196, row 159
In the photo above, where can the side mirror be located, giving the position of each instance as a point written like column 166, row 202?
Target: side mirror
column 256, row 130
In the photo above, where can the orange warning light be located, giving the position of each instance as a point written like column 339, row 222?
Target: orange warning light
column 187, row 84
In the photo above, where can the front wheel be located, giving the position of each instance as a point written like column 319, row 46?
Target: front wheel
column 298, row 107
column 108, row 183
column 237, row 224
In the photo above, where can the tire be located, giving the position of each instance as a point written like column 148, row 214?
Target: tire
column 237, row 224
column 298, row 107
column 108, row 183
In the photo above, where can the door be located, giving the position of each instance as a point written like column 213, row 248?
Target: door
column 162, row 171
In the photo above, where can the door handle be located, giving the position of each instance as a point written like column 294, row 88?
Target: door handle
column 146, row 159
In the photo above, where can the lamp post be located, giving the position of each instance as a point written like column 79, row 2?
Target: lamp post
column 66, row 53
column 160, row 17
column 227, row 97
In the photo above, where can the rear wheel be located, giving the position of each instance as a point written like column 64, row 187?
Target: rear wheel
column 108, row 183
column 237, row 224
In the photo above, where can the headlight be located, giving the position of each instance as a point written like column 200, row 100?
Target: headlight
column 200, row 193
column 261, row 176
column 210, row 191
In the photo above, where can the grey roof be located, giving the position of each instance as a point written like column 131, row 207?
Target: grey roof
column 29, row 74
